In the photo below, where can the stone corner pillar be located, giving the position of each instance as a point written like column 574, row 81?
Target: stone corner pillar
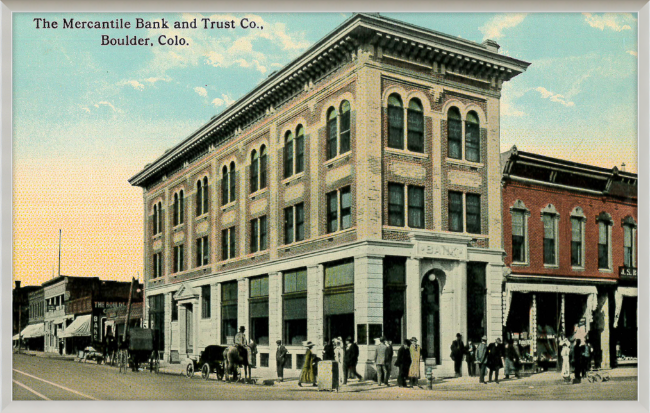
column 413, row 299
column 315, row 280
column 242, row 305
column 182, row 331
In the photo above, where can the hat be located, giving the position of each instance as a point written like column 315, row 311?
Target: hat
column 309, row 344
column 484, row 338
column 242, row 328
column 278, row 342
column 414, row 340
column 382, row 339
column 349, row 338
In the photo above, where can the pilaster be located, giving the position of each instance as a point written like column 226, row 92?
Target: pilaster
column 315, row 304
column 182, row 331
column 168, row 325
column 413, row 300
column 275, row 314
column 242, row 305
column 216, row 314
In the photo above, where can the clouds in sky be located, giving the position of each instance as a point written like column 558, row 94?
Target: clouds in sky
column 613, row 21
column 554, row 97
column 224, row 100
column 201, row 91
column 495, row 27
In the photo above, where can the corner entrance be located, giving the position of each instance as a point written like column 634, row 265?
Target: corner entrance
column 431, row 315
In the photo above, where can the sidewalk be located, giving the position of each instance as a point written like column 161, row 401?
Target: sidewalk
column 69, row 357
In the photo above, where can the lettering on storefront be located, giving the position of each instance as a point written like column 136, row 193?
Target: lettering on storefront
column 109, row 304
column 452, row 252
column 627, row 272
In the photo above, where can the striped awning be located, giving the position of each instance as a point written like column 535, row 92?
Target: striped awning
column 80, row 327
column 33, row 331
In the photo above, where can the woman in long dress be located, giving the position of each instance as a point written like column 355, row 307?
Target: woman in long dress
column 339, row 352
column 566, row 366
column 414, row 371
column 307, row 373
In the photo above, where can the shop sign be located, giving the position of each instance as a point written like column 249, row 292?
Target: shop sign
column 95, row 328
column 109, row 304
column 444, row 251
column 627, row 272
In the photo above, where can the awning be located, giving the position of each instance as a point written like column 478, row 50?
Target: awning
column 590, row 290
column 80, row 327
column 33, row 331
column 618, row 301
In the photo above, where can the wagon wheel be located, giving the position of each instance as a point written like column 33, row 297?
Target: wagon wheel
column 219, row 370
column 205, row 371
column 189, row 371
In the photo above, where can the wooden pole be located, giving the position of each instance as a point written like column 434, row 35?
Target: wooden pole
column 128, row 311
column 59, row 252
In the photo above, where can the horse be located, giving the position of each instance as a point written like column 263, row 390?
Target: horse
column 234, row 357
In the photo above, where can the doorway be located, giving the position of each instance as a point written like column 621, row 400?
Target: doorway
column 189, row 327
column 431, row 317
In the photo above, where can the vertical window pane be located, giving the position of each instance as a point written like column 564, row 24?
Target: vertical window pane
column 254, row 173
column 332, row 135
column 300, row 222
column 206, row 196
column 224, row 244
column 416, row 206
column 456, row 211
column 233, row 182
column 346, row 208
column 473, row 202
column 175, row 209
column 332, row 219
column 396, row 205
column 549, row 239
column 300, row 153
column 253, row 239
column 199, row 199
column 224, row 187
column 576, row 242
column 395, row 127
column 472, row 142
column 345, row 128
column 199, row 252
column 206, row 251
column 288, row 225
column 454, row 138
column 263, row 168
column 603, row 245
column 288, row 158
column 263, row 233
column 181, row 212
column 415, row 130
column 233, row 244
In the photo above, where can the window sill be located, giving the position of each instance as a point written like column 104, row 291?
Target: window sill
column 404, row 228
column 292, row 178
column 258, row 193
column 405, row 152
column 520, row 264
column 551, row 266
column 157, row 236
column 256, row 254
column 203, row 216
column 179, row 227
column 605, row 270
column 577, row 268
column 337, row 158
column 228, row 206
column 287, row 247
column 465, row 163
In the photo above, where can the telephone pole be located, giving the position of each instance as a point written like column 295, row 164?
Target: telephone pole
column 59, row 252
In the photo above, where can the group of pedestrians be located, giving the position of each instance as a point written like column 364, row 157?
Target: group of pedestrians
column 345, row 353
column 493, row 357
column 576, row 354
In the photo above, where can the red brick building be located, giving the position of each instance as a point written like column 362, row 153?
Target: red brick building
column 570, row 241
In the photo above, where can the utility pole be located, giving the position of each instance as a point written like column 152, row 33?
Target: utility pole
column 128, row 311
column 59, row 252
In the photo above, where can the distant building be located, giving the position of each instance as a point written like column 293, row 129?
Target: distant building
column 20, row 303
column 570, row 237
column 35, row 334
column 355, row 192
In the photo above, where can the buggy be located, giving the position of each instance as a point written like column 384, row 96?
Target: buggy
column 210, row 361
column 139, row 348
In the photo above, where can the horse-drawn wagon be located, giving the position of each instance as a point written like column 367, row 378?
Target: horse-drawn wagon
column 140, row 347
column 211, row 360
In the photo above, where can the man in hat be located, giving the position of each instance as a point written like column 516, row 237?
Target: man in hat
column 382, row 362
column 328, row 350
column 350, row 360
column 280, row 358
column 241, row 342
column 457, row 352
column 495, row 359
column 389, row 356
column 307, row 374
column 414, row 371
column 403, row 362
column 481, row 358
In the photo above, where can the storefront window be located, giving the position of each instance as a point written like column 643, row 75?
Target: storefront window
column 259, row 310
column 294, row 306
column 229, row 292
column 338, row 300
column 394, row 298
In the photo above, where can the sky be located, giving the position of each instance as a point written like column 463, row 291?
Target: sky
column 87, row 117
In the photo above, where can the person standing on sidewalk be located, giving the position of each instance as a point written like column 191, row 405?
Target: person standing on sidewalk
column 414, row 371
column 339, row 352
column 350, row 360
column 382, row 362
column 389, row 356
column 495, row 359
column 307, row 373
column 280, row 358
column 470, row 357
column 457, row 352
column 403, row 363
column 512, row 360
column 328, row 350
column 482, row 358
column 566, row 367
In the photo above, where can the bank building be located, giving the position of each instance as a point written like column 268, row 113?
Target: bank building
column 354, row 192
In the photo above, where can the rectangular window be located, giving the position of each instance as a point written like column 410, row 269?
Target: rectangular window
column 202, row 251
column 472, row 142
column 395, row 127
column 549, row 239
column 157, row 265
column 206, row 197
column 229, row 300
column 518, row 237
column 254, row 175
column 228, row 245
column 294, row 304
column 263, row 167
column 263, row 243
column 395, row 205
column 205, row 301
column 603, row 245
column 300, row 222
column 288, row 225
column 338, row 299
column 394, row 310
column 254, row 233
column 576, row 242
column 233, row 244
column 332, row 208
column 456, row 211
column 179, row 258
column 346, row 207
column 455, row 138
column 174, row 310
column 288, row 158
column 345, row 131
column 259, row 310
column 628, row 245
column 415, row 131
column 233, row 184
column 416, row 206
column 300, row 153
column 175, row 210
column 332, row 137
column 224, row 188
column 473, row 213
column 258, row 234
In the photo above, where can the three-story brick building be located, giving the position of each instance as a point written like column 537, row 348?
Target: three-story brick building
column 355, row 192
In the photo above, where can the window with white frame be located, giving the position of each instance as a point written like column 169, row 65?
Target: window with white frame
column 202, row 251
column 157, row 265
column 550, row 219
column 578, row 220
column 179, row 258
column 629, row 242
column 470, row 130
column 520, row 215
column 179, row 208
column 294, row 152
column 464, row 212
column 228, row 244
column 339, row 209
column 228, row 184
column 454, row 134
column 338, row 130
column 258, row 169
column 604, row 221
column 157, row 218
column 414, row 134
column 472, row 138
column 202, row 197
column 294, row 223
column 258, row 238
column 399, row 198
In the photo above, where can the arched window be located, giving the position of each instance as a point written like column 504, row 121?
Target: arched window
column 206, row 196
column 263, row 161
column 454, row 133
column 181, row 207
column 155, row 219
column 472, row 138
column 224, row 185
column 254, row 171
column 332, row 132
column 345, row 127
column 300, row 149
column 415, row 133
column 176, row 206
column 233, row 182
column 288, row 154
column 199, row 197
column 395, row 122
